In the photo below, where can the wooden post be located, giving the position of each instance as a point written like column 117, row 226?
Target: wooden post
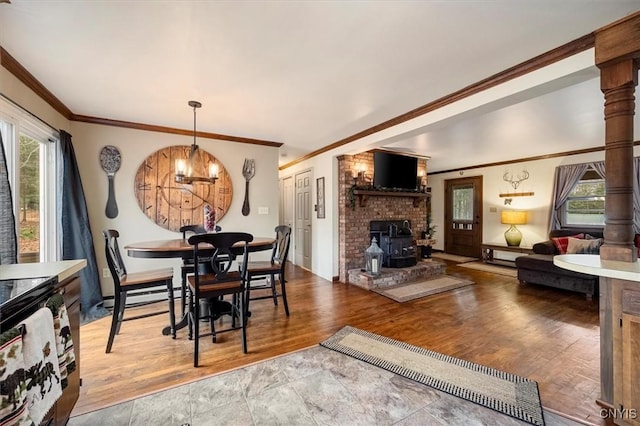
column 617, row 49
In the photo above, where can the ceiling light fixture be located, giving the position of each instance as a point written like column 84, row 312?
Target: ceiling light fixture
column 186, row 171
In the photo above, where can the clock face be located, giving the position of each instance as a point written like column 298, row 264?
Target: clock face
column 172, row 205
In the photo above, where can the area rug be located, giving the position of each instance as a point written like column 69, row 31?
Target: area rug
column 496, row 269
column 506, row 393
column 453, row 257
column 417, row 289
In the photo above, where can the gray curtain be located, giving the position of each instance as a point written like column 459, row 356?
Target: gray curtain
column 565, row 179
column 598, row 166
column 9, row 246
column 77, row 241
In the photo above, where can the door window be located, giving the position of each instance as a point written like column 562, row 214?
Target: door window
column 463, row 207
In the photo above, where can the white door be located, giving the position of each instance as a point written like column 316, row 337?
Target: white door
column 303, row 219
column 286, row 202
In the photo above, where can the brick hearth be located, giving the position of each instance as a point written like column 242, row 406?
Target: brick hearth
column 353, row 221
column 391, row 276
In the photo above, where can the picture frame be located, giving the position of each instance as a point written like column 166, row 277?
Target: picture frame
column 320, row 210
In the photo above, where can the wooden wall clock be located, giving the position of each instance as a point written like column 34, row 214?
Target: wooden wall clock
column 172, row 205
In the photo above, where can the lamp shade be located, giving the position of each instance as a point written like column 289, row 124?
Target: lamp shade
column 513, row 217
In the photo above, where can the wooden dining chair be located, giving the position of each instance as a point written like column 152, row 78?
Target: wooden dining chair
column 268, row 270
column 127, row 282
column 215, row 282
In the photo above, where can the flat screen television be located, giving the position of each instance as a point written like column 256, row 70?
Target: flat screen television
column 394, row 171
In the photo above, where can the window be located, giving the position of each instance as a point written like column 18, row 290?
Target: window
column 31, row 161
column 462, row 207
column 585, row 204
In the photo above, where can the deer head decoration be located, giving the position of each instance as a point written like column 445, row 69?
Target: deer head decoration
column 515, row 182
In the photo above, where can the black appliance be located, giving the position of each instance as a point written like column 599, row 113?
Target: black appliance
column 394, row 171
column 20, row 298
column 395, row 238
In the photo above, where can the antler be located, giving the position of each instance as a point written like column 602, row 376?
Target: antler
column 515, row 182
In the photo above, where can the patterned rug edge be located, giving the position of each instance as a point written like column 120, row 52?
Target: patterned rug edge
column 431, row 292
column 530, row 412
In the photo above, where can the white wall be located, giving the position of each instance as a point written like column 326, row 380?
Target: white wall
column 540, row 182
column 12, row 88
column 132, row 223
column 135, row 146
column 324, row 232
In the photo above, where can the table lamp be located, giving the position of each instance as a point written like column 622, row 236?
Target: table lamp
column 513, row 236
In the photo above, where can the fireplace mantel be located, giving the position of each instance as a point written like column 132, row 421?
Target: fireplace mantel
column 363, row 195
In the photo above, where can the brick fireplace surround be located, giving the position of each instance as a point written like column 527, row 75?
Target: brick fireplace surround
column 353, row 225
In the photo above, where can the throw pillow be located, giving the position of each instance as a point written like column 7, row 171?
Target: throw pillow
column 583, row 246
column 562, row 242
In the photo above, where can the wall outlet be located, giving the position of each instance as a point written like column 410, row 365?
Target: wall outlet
column 263, row 210
column 106, row 273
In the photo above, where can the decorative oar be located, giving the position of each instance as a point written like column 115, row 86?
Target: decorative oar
column 110, row 161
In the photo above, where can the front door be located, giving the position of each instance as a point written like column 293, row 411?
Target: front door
column 463, row 216
column 303, row 219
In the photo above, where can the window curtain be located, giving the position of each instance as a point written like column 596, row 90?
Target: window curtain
column 77, row 242
column 598, row 166
column 564, row 180
column 9, row 246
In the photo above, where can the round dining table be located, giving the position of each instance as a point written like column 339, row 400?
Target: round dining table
column 180, row 248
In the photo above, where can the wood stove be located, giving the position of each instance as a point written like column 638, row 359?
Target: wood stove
column 395, row 238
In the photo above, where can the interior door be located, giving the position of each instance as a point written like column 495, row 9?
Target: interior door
column 463, row 216
column 303, row 219
column 286, row 202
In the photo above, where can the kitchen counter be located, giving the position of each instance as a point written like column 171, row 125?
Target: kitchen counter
column 592, row 264
column 62, row 269
column 25, row 288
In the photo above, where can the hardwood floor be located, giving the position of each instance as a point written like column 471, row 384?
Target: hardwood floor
column 545, row 334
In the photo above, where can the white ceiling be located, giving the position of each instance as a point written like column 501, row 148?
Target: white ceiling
column 310, row 73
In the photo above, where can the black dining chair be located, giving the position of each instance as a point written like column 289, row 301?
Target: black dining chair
column 187, row 262
column 217, row 280
column 125, row 282
column 268, row 270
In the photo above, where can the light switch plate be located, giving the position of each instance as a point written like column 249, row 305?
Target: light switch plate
column 263, row 210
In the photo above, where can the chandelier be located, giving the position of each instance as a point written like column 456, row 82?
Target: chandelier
column 187, row 170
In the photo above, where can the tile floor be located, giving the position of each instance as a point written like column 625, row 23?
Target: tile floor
column 316, row 386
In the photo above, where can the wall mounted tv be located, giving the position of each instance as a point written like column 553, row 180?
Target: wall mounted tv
column 394, row 171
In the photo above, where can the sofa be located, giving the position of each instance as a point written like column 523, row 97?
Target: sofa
column 538, row 268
